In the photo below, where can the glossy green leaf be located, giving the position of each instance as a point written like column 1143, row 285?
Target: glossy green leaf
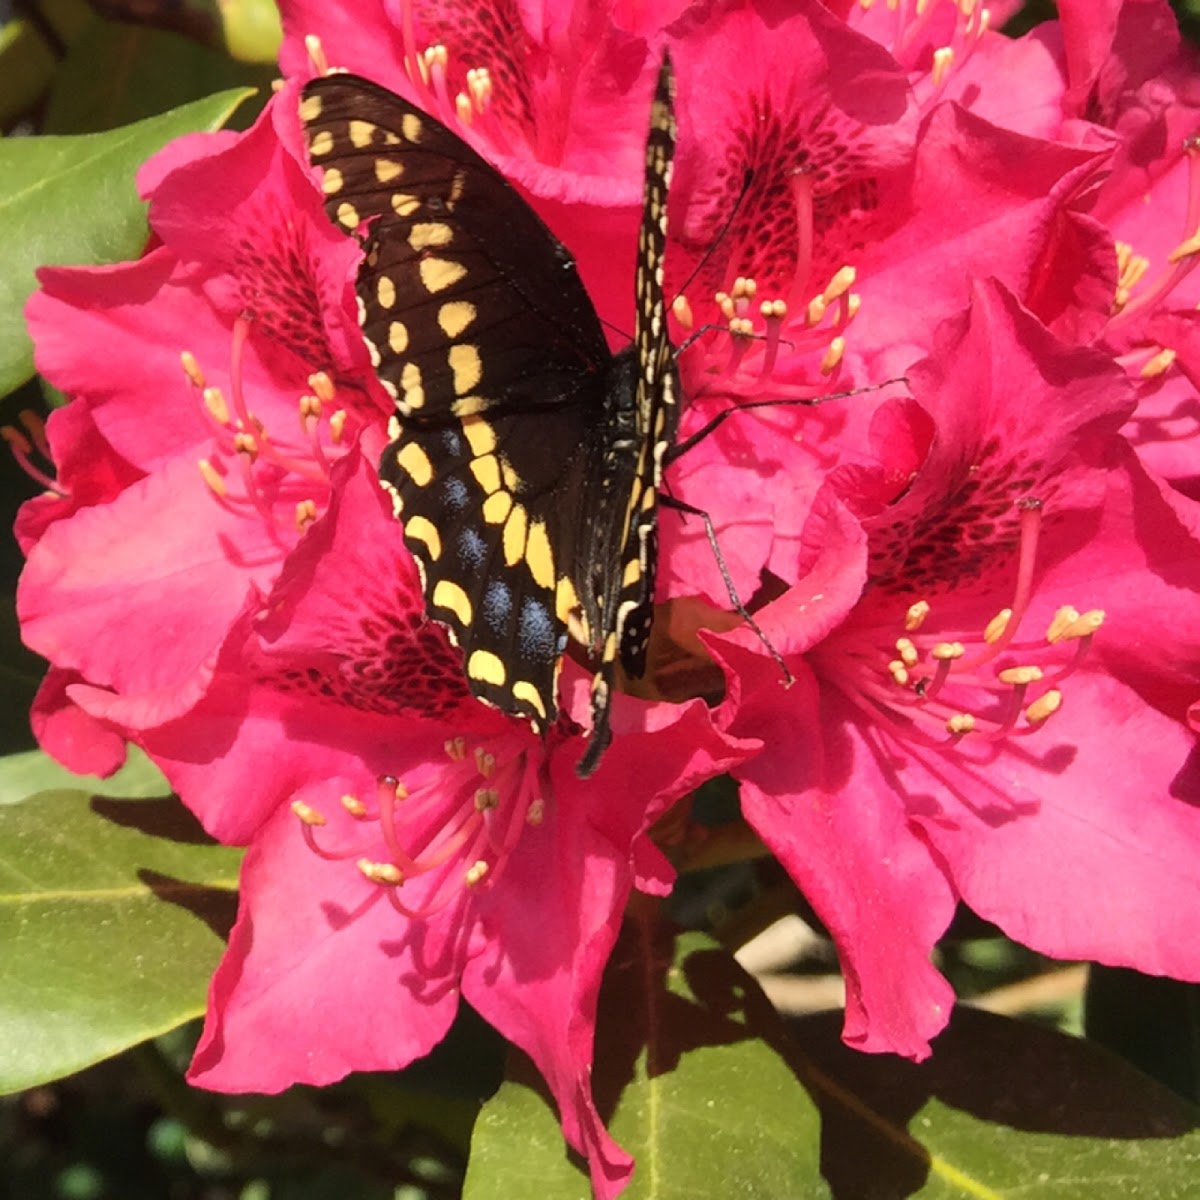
column 113, row 914
column 23, row 775
column 73, row 200
column 1002, row 1109
column 689, row 1080
column 116, row 74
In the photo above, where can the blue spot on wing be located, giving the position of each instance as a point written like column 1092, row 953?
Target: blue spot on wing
column 471, row 549
column 497, row 606
column 537, row 638
column 455, row 494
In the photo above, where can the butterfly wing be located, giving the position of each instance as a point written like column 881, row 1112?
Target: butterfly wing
column 475, row 318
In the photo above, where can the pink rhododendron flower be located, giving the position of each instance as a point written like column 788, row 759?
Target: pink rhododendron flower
column 265, row 643
column 851, row 205
column 921, row 757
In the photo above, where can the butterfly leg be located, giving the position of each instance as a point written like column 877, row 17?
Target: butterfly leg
column 681, row 506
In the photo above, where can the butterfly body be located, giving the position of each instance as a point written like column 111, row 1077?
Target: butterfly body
column 524, row 457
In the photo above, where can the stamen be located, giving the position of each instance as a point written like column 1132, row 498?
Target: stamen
column 309, row 815
column 942, row 58
column 212, row 479
column 191, row 368
column 354, row 806
column 384, row 873
column 1043, row 707
column 306, row 514
column 915, row 617
column 21, row 449
column 476, row 873
column 316, row 54
column 833, row 356
column 682, row 311
column 1159, row 364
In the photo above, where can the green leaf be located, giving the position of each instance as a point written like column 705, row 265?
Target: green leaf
column 1003, row 1108
column 112, row 917
column 688, row 1079
column 73, row 200
column 115, row 74
column 21, row 775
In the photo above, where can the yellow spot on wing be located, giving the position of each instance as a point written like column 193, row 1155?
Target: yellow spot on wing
column 437, row 274
column 416, row 463
column 410, row 381
column 388, row 169
column 347, row 215
column 411, row 127
column 448, row 595
column 429, row 233
column 497, row 507
column 385, row 291
column 310, row 108
column 524, row 690
column 538, row 555
column 404, row 204
column 565, row 599
column 481, row 437
column 633, row 572
column 467, row 367
column 455, row 315
column 321, row 143
column 486, row 666
column 487, row 472
column 361, row 133
column 515, row 531
column 423, row 530
column 398, row 337
column 331, row 181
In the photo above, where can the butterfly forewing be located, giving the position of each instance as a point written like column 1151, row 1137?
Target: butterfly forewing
column 524, row 458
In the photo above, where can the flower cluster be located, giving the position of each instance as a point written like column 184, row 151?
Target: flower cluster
column 975, row 674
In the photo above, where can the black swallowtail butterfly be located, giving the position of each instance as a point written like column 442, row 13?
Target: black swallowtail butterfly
column 525, row 458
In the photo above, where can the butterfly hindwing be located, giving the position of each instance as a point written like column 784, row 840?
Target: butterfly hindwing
column 524, row 457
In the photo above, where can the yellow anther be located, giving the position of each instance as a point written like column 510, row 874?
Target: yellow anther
column 833, row 356
column 208, row 473
column 1157, row 365
column 306, row 514
column 960, row 723
column 354, row 806
column 773, row 310
column 486, row 799
column 814, row 314
column 683, row 312
column 436, row 55
column 1044, row 706
column 214, row 401
column 842, row 281
column 485, row 762
column 307, row 814
column 536, row 812
column 463, row 108
column 943, row 58
column 321, row 385
column 191, row 368
column 476, row 873
column 997, row 627
column 479, row 83
column 1020, row 676
column 948, row 651
column 725, row 305
column 456, row 748
column 915, row 617
column 907, row 651
column 898, row 672
column 745, row 286
column 1186, row 248
column 853, row 305
column 381, row 872
column 309, row 406
column 1084, row 625
column 741, row 327
column 1060, row 622
column 316, row 54
column 245, row 443
column 337, row 423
